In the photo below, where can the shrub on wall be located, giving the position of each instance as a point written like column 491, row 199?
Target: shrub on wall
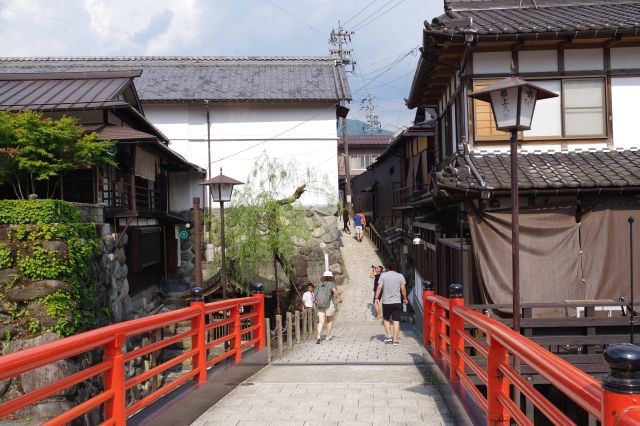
column 64, row 252
column 37, row 211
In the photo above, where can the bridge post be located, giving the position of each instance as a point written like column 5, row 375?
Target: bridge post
column 289, row 331
column 438, row 311
column 236, row 331
column 279, row 335
column 115, row 408
column 198, row 341
column 456, row 324
column 297, row 322
column 497, row 384
column 427, row 319
column 305, row 330
column 257, row 292
column 621, row 388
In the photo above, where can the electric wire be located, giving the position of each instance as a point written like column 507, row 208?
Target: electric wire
column 104, row 27
column 360, row 26
column 296, row 18
column 357, row 14
column 374, row 12
column 275, row 136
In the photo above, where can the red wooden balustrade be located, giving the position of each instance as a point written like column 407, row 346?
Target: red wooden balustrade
column 449, row 328
column 230, row 326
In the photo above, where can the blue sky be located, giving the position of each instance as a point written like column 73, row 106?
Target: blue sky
column 387, row 34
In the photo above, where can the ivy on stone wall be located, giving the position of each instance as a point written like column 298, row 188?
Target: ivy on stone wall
column 55, row 277
column 37, row 211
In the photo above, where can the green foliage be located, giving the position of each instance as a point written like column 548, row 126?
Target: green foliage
column 71, row 309
column 59, row 306
column 6, row 256
column 33, row 326
column 260, row 229
column 42, row 264
column 34, row 148
column 37, row 211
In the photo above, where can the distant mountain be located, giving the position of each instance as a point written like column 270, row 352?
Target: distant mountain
column 357, row 127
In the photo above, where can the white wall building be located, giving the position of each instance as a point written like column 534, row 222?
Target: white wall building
column 284, row 107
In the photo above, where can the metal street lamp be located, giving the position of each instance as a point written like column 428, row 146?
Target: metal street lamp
column 513, row 101
column 221, row 188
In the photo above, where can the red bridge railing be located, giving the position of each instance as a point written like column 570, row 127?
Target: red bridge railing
column 452, row 333
column 229, row 326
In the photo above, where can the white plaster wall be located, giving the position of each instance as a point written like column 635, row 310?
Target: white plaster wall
column 240, row 133
column 183, row 186
column 491, row 62
column 538, row 60
column 625, row 57
column 625, row 92
column 583, row 59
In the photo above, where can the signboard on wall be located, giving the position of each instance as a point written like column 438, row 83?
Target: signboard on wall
column 183, row 233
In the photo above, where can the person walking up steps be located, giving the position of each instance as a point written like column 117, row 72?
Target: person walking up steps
column 325, row 295
column 359, row 222
column 308, row 298
column 375, row 274
column 345, row 220
column 392, row 294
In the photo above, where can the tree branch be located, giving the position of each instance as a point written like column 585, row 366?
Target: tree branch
column 292, row 198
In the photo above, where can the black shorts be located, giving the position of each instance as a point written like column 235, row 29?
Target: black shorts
column 391, row 311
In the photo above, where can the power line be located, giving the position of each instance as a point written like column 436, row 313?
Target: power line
column 376, row 11
column 275, row 136
column 296, row 18
column 104, row 27
column 366, row 22
column 361, row 10
column 384, row 71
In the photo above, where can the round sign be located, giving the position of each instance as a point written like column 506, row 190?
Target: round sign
column 184, row 233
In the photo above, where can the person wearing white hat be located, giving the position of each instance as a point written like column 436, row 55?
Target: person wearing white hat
column 325, row 295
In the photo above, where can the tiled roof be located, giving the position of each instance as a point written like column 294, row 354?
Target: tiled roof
column 376, row 140
column 63, row 91
column 222, row 79
column 548, row 171
column 495, row 17
column 113, row 132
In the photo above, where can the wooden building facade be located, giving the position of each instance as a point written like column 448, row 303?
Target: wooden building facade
column 135, row 193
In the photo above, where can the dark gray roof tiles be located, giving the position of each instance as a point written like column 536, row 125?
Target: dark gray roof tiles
column 549, row 171
column 51, row 92
column 170, row 79
column 494, row 18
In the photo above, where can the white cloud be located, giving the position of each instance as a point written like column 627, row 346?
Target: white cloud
column 221, row 27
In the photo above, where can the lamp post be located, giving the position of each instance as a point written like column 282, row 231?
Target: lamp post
column 221, row 188
column 513, row 101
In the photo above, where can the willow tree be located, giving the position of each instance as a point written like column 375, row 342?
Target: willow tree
column 267, row 221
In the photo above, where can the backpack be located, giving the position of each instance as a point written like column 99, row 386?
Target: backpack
column 323, row 295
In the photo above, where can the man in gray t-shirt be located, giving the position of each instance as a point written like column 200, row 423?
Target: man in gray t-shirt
column 392, row 293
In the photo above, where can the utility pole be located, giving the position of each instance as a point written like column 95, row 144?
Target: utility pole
column 369, row 109
column 339, row 46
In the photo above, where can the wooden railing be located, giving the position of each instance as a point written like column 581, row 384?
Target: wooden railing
column 117, row 197
column 464, row 342
column 217, row 331
column 378, row 241
column 298, row 327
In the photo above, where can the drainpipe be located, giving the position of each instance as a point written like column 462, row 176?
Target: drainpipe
column 465, row 110
column 206, row 108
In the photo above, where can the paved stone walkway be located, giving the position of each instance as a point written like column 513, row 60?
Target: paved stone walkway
column 354, row 379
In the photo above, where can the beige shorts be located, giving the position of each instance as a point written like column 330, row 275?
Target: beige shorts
column 328, row 311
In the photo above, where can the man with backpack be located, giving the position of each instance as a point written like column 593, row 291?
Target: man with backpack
column 325, row 295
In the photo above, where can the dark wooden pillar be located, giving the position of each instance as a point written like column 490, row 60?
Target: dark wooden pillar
column 132, row 169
